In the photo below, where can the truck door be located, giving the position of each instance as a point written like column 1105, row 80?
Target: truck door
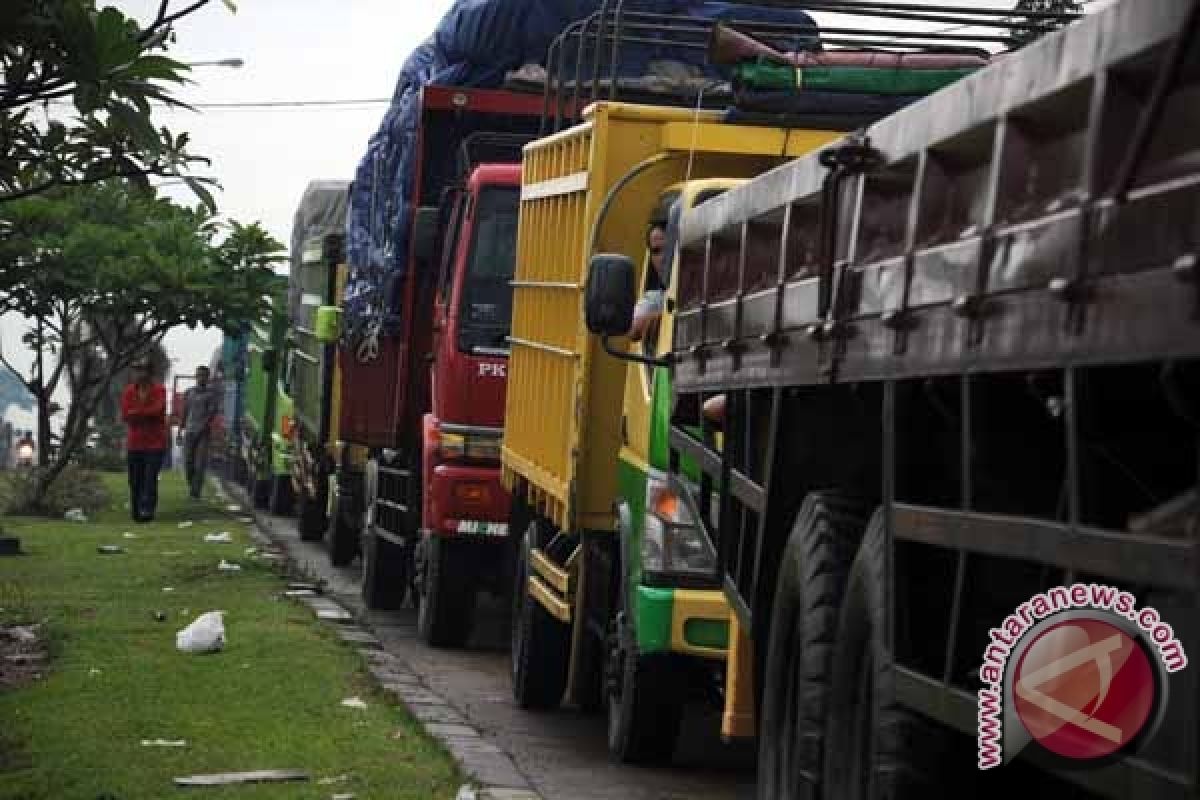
column 453, row 208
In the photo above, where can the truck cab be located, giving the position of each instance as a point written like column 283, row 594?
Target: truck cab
column 671, row 638
column 464, row 506
column 318, row 274
column 260, row 407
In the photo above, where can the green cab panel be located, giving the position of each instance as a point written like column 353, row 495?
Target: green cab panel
column 260, row 408
column 652, row 614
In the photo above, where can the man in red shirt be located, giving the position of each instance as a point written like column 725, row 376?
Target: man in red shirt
column 144, row 410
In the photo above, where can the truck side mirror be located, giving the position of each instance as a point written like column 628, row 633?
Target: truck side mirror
column 270, row 359
column 425, row 227
column 329, row 323
column 610, row 294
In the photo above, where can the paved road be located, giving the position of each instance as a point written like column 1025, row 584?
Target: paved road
column 562, row 754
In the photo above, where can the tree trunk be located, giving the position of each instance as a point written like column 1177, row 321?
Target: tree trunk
column 43, row 429
column 74, row 436
column 43, row 403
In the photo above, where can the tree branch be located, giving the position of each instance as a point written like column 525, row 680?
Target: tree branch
column 164, row 20
column 53, row 90
column 157, row 172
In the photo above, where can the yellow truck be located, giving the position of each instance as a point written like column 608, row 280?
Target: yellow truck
column 615, row 603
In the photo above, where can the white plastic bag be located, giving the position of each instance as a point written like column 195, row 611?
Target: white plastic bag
column 205, row 635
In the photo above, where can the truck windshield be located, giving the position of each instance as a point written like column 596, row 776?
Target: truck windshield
column 486, row 310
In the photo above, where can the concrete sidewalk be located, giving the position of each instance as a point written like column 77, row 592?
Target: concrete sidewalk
column 464, row 697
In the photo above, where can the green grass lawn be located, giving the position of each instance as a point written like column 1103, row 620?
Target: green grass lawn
column 270, row 700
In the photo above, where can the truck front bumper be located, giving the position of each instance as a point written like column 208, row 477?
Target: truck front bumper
column 692, row 622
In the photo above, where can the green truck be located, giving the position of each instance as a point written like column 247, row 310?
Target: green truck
column 266, row 407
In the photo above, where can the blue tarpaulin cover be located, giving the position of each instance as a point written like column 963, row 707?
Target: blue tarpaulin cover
column 476, row 44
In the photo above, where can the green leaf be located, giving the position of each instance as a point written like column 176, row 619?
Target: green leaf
column 136, row 124
column 87, row 98
column 116, row 44
column 201, row 192
column 230, row 5
column 157, row 68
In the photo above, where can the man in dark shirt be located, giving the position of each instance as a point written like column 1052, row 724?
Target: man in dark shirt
column 201, row 405
column 144, row 410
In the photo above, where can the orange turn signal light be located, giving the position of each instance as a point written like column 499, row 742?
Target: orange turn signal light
column 472, row 493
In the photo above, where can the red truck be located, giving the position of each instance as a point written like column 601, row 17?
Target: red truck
column 425, row 412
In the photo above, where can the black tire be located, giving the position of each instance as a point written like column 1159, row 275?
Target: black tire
column 797, row 675
column 341, row 535
column 874, row 748
column 260, row 494
column 644, row 694
column 386, row 572
column 310, row 515
column 282, row 499
column 446, row 594
column 541, row 645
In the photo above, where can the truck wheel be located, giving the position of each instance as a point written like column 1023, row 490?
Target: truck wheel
column 385, row 572
column 541, row 645
column 804, row 620
column 447, row 598
column 645, row 698
column 874, row 747
column 341, row 536
column 310, row 517
column 260, row 492
column 281, row 495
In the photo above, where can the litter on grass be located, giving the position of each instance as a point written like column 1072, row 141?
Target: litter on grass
column 168, row 588
column 227, row 778
column 354, row 702
column 205, row 635
column 187, row 523
column 22, row 634
column 164, row 743
column 333, row 780
column 109, row 549
column 224, row 537
column 233, row 508
column 129, row 535
column 75, row 515
column 229, row 566
column 246, row 520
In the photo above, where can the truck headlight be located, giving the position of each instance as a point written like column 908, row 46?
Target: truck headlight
column 672, row 541
column 477, row 447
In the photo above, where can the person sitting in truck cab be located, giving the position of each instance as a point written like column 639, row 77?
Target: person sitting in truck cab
column 649, row 309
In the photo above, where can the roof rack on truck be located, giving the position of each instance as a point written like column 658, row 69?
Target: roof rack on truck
column 584, row 63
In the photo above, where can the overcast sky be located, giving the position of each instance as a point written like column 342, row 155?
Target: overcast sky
column 294, row 50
